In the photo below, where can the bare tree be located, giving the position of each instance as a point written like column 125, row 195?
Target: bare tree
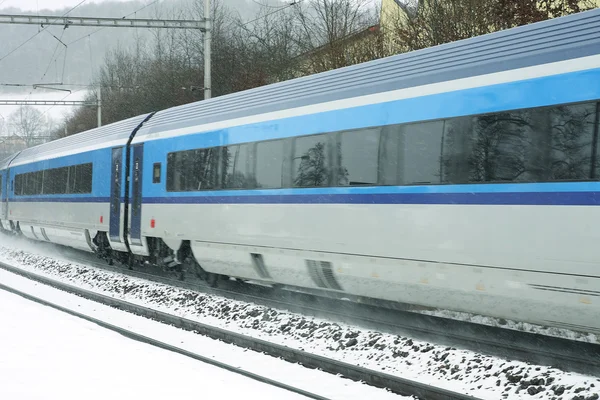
column 428, row 23
column 31, row 125
column 327, row 32
column 270, row 41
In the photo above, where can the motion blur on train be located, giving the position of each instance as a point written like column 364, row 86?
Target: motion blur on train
column 461, row 177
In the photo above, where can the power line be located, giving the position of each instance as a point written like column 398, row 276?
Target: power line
column 293, row 3
column 54, row 53
column 38, row 32
column 264, row 4
column 124, row 17
column 51, row 59
column 140, row 9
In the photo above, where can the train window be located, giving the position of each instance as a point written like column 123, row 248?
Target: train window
column 310, row 161
column 420, row 158
column 55, row 180
column 455, row 157
column 269, row 164
column 228, row 162
column 208, row 168
column 85, row 183
column 80, row 179
column 73, row 179
column 156, row 173
column 535, row 145
column 18, row 184
column 574, row 141
column 176, row 177
column 33, row 183
column 236, row 168
column 358, row 156
column 192, row 170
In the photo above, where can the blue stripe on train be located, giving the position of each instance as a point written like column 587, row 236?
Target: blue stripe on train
column 557, row 193
column 547, row 198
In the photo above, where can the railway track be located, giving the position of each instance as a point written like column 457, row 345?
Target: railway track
column 157, row 343
column 565, row 354
column 393, row 383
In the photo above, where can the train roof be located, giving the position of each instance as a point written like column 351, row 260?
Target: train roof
column 554, row 40
column 115, row 134
column 4, row 163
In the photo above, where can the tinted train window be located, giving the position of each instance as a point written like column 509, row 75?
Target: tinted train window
column 269, row 164
column 533, row 145
column 55, row 180
column 536, row 145
column 192, row 170
column 71, row 180
column 310, row 162
column 80, row 178
column 420, row 158
column 33, row 184
column 18, row 184
column 358, row 156
column 237, row 168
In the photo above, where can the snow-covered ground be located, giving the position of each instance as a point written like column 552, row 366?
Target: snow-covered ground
column 455, row 369
column 48, row 354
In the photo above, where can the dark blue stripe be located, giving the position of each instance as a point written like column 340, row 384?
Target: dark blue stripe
column 510, row 198
column 483, row 198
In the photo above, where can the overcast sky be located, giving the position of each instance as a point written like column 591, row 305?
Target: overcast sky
column 34, row 5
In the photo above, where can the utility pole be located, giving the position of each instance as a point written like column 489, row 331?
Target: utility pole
column 207, row 50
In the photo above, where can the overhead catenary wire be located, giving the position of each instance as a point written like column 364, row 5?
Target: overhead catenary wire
column 37, row 33
column 52, row 59
column 124, row 17
column 293, row 3
column 264, row 4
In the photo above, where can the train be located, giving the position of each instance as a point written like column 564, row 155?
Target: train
column 462, row 177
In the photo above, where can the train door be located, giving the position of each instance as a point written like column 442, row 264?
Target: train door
column 136, row 195
column 116, row 184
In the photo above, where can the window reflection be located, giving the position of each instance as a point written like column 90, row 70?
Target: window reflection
column 534, row 145
column 360, row 156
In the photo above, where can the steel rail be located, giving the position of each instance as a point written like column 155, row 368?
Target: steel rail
column 393, row 383
column 157, row 343
column 565, row 354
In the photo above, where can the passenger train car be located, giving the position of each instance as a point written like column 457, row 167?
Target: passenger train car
column 464, row 176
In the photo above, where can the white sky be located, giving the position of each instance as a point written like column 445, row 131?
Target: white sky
column 34, row 5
